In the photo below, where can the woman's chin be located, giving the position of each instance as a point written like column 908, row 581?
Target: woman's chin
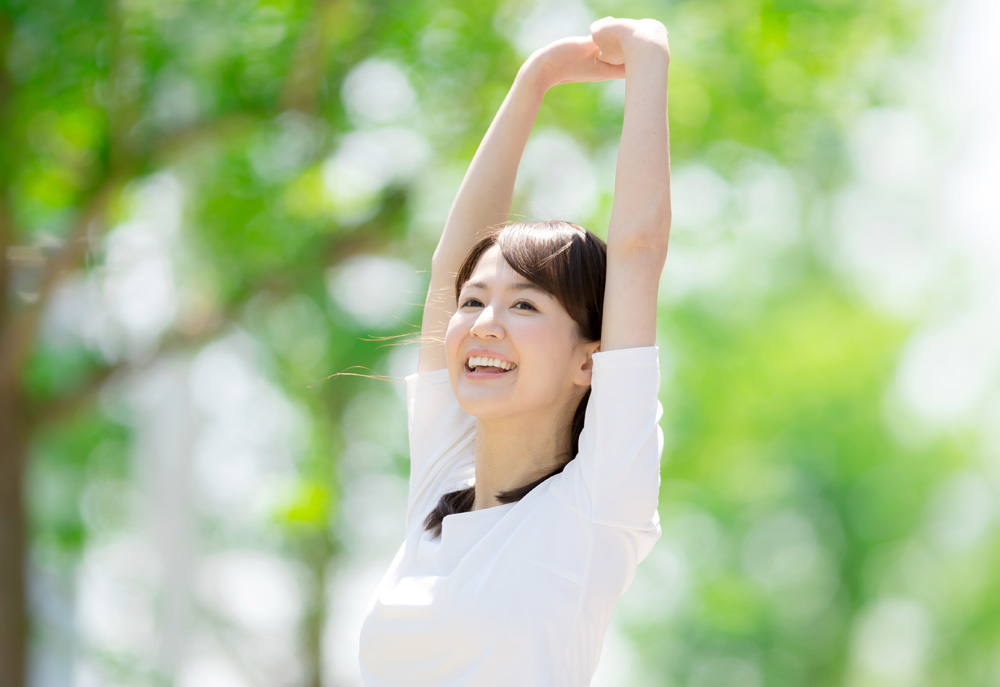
column 483, row 406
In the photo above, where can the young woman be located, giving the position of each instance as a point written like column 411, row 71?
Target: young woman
column 533, row 416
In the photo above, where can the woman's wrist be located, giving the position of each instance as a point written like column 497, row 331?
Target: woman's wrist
column 534, row 74
column 638, row 48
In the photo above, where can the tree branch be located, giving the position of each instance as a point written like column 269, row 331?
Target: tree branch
column 305, row 74
column 56, row 409
column 183, row 139
column 19, row 335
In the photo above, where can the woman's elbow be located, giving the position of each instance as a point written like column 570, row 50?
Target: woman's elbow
column 649, row 236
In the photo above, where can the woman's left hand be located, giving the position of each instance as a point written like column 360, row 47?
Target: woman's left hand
column 618, row 38
column 571, row 60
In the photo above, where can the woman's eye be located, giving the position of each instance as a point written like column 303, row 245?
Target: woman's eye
column 473, row 302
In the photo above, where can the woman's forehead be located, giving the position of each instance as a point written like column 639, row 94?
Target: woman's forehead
column 494, row 273
column 492, row 266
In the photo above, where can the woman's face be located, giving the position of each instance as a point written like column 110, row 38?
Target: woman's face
column 524, row 326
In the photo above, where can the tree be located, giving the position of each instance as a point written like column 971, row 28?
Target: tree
column 250, row 107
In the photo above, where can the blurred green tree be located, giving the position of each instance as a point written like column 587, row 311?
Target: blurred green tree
column 250, row 107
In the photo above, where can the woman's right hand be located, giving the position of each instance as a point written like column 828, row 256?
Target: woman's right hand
column 571, row 60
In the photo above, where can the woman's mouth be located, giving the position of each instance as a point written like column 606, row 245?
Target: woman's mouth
column 479, row 368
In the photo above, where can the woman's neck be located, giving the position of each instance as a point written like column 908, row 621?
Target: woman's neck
column 514, row 452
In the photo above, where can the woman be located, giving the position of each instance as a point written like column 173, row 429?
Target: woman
column 533, row 415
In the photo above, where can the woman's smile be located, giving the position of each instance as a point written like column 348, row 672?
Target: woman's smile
column 481, row 363
column 503, row 324
column 486, row 367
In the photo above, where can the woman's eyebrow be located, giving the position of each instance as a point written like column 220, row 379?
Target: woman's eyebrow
column 517, row 286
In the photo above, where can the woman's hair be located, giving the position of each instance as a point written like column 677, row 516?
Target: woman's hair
column 569, row 263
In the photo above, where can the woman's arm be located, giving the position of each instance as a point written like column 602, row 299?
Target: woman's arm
column 484, row 196
column 640, row 216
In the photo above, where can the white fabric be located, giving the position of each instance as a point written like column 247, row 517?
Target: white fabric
column 522, row 593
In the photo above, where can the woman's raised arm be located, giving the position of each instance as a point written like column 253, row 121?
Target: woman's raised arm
column 640, row 215
column 484, row 196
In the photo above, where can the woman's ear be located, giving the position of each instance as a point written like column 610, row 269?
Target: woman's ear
column 586, row 371
column 591, row 349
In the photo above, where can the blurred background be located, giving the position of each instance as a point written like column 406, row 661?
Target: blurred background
column 209, row 208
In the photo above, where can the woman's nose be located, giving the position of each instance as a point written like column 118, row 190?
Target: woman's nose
column 486, row 324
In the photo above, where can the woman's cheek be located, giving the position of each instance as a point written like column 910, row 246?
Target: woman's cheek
column 451, row 337
column 534, row 331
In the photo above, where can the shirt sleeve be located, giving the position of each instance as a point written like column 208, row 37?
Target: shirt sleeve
column 615, row 477
column 442, row 442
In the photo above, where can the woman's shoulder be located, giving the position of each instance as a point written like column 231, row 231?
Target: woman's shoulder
column 432, row 378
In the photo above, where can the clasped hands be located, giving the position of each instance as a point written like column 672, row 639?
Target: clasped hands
column 602, row 56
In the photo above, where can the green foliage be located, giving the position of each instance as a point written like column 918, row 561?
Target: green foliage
column 774, row 415
column 70, row 486
column 53, row 372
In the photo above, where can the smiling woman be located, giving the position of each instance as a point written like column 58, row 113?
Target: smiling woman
column 546, row 326
column 533, row 415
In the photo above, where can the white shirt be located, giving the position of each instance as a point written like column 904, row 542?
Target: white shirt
column 521, row 593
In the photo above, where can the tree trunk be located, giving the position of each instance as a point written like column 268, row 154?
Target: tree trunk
column 321, row 561
column 13, row 614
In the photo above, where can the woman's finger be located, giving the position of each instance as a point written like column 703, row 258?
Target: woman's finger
column 606, row 60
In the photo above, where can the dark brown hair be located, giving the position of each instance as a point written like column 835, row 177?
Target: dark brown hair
column 569, row 263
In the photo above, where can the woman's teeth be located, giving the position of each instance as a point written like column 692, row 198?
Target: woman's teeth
column 481, row 361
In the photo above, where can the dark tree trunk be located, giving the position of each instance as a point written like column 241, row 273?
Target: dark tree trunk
column 13, row 615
